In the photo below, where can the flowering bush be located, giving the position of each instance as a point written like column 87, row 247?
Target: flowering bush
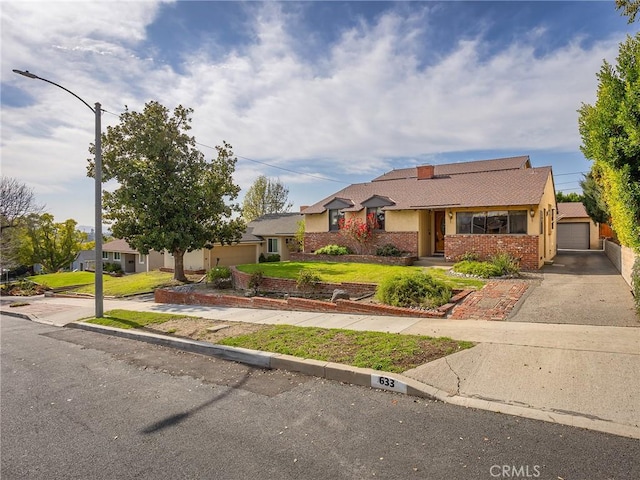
column 361, row 232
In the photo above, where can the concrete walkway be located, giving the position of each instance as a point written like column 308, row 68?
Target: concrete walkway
column 580, row 375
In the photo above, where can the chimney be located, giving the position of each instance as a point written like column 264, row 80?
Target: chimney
column 425, row 171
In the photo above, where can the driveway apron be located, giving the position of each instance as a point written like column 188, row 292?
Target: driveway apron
column 582, row 288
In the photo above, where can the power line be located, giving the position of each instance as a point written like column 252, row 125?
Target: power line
column 573, row 173
column 281, row 168
column 318, row 177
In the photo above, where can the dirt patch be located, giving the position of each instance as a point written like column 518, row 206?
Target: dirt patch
column 196, row 329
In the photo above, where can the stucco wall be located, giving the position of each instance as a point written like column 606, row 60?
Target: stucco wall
column 621, row 257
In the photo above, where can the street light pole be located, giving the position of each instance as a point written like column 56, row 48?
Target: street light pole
column 97, row 110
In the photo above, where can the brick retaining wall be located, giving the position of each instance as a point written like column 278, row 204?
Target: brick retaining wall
column 404, row 241
column 312, row 257
column 185, row 297
column 287, row 285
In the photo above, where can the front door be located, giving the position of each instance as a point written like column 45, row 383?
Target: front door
column 439, row 221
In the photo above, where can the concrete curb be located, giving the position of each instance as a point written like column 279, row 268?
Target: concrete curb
column 360, row 376
column 26, row 316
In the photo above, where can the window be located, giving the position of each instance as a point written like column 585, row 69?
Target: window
column 116, row 256
column 105, row 255
column 492, row 223
column 272, row 245
column 143, row 258
column 334, row 218
column 378, row 214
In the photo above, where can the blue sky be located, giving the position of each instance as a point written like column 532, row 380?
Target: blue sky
column 316, row 94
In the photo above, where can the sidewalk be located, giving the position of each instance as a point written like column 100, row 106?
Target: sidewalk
column 585, row 376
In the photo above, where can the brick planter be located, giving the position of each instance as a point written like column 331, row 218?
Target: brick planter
column 312, row 257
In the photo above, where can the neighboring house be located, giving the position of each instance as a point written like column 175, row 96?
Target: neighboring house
column 270, row 234
column 131, row 261
column 576, row 230
column 84, row 260
column 486, row 207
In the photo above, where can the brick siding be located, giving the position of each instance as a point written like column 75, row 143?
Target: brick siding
column 522, row 247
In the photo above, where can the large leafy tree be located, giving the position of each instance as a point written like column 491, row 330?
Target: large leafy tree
column 169, row 197
column 265, row 196
column 53, row 245
column 17, row 202
column 629, row 8
column 610, row 131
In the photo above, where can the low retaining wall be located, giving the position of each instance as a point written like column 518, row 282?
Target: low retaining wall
column 621, row 257
column 312, row 257
column 286, row 285
column 186, row 297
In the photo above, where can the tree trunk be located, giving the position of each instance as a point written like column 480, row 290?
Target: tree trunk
column 178, row 267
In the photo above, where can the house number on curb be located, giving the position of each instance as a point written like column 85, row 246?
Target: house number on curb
column 388, row 383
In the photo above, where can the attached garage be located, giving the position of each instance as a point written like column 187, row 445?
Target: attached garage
column 573, row 236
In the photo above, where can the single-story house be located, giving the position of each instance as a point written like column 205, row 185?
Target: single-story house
column 485, row 207
column 270, row 234
column 576, row 230
column 84, row 259
column 131, row 261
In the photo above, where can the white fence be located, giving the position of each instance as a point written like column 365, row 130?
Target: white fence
column 621, row 257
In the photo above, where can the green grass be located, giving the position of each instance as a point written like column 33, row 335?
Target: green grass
column 64, row 279
column 352, row 272
column 129, row 319
column 390, row 352
column 377, row 350
column 113, row 286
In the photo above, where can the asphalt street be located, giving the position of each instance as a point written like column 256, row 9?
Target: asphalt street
column 77, row 404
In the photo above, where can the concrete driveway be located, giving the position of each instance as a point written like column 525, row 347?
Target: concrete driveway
column 582, row 288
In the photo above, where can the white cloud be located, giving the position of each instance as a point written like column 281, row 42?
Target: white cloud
column 346, row 111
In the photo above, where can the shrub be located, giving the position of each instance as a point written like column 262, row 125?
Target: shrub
column 479, row 269
column 499, row 265
column 469, row 256
column 388, row 250
column 506, row 263
column 112, row 268
column 635, row 283
column 414, row 290
column 307, row 281
column 272, row 257
column 255, row 280
column 220, row 277
column 333, row 250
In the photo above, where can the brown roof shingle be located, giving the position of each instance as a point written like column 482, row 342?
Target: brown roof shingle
column 572, row 210
column 495, row 187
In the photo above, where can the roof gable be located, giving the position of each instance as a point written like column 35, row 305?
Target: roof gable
column 572, row 210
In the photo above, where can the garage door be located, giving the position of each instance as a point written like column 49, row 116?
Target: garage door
column 574, row 236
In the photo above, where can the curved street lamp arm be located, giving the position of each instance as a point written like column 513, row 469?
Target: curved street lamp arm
column 28, row 74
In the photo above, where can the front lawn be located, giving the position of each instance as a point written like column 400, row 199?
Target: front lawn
column 352, row 272
column 129, row 319
column 113, row 286
column 64, row 279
